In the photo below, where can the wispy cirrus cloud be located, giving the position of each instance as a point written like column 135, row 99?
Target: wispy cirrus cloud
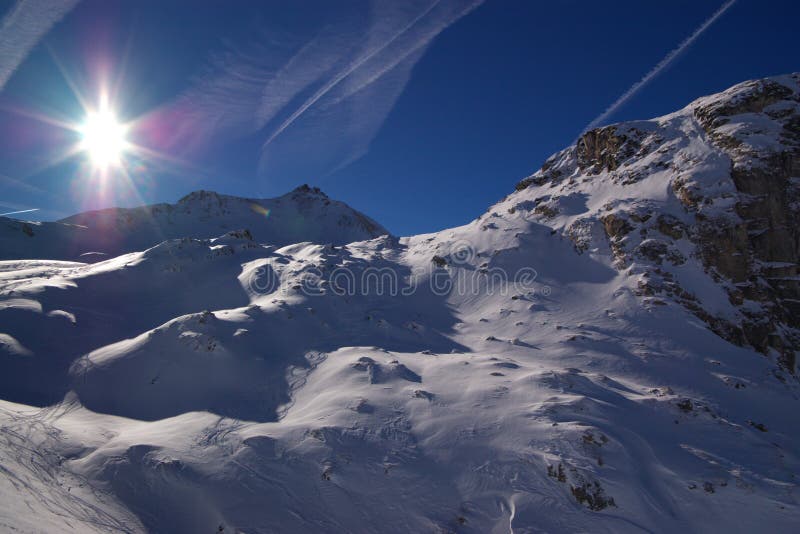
column 660, row 66
column 23, row 27
column 8, row 182
column 319, row 95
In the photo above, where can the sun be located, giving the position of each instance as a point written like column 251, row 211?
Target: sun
column 103, row 138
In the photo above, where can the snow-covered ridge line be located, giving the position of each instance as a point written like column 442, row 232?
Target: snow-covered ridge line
column 305, row 214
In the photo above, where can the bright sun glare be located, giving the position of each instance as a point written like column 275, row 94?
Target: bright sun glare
column 103, row 138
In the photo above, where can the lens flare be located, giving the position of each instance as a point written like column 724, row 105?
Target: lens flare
column 261, row 210
column 103, row 138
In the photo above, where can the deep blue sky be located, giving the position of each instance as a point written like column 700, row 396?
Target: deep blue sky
column 494, row 94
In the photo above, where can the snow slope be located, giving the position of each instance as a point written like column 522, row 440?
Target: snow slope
column 509, row 375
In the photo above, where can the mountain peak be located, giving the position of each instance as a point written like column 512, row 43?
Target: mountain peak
column 305, row 189
column 199, row 195
column 309, row 216
column 751, row 96
column 776, row 98
column 711, row 188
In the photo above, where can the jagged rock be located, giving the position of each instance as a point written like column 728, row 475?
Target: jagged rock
column 603, row 149
column 671, row 226
column 616, row 226
column 546, row 210
column 738, row 205
column 439, row 261
column 592, row 495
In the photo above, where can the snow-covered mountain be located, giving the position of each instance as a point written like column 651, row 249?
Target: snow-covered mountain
column 305, row 214
column 714, row 187
column 610, row 348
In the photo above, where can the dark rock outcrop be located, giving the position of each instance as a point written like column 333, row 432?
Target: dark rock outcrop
column 731, row 164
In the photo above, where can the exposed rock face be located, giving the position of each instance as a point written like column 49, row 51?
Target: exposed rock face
column 603, row 149
column 714, row 186
column 757, row 249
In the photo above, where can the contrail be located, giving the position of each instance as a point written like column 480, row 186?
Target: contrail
column 20, row 211
column 661, row 65
column 345, row 73
column 330, row 85
column 22, row 28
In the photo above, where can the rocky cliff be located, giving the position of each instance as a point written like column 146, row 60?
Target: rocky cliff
column 715, row 186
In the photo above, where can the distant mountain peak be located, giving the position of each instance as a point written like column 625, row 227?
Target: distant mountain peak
column 199, row 195
column 303, row 214
column 305, row 189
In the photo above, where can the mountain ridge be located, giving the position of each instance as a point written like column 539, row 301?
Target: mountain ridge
column 303, row 214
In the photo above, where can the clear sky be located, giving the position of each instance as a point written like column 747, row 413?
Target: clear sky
column 420, row 114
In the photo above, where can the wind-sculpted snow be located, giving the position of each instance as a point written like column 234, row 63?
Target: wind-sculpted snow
column 507, row 375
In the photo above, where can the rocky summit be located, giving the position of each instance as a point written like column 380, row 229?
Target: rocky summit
column 714, row 186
